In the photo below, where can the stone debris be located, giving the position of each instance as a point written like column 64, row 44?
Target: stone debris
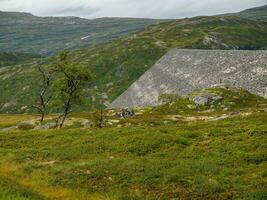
column 183, row 71
column 126, row 113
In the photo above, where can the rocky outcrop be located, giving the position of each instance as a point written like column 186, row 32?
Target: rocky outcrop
column 183, row 71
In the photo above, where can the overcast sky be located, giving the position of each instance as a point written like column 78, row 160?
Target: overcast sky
column 128, row 8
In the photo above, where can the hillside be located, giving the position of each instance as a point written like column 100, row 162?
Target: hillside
column 9, row 59
column 119, row 63
column 179, row 150
column 49, row 35
column 258, row 13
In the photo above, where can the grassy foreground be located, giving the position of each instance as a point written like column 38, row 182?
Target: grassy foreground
column 145, row 157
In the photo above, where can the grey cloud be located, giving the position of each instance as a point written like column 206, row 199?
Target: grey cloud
column 128, row 8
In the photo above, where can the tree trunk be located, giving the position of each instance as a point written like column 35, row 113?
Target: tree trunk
column 66, row 112
column 63, row 120
column 42, row 117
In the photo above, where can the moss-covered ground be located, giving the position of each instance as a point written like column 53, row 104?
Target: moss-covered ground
column 152, row 155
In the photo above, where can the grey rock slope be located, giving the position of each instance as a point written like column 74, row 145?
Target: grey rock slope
column 183, row 71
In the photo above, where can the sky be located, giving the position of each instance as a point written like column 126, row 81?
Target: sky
column 160, row 9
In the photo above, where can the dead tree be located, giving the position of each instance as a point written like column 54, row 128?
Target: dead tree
column 43, row 100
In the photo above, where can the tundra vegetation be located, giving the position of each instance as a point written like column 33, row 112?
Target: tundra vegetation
column 178, row 150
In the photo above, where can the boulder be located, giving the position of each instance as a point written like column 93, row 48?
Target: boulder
column 27, row 125
column 49, row 125
column 126, row 113
column 200, row 100
column 205, row 99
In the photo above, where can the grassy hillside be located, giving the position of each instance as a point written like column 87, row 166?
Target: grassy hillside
column 50, row 35
column 8, row 58
column 259, row 13
column 119, row 63
column 188, row 153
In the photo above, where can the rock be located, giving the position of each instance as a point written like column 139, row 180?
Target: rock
column 50, row 125
column 205, row 99
column 200, row 100
column 27, row 125
column 216, row 98
column 8, row 129
column 86, row 123
column 212, row 106
column 190, row 106
column 126, row 113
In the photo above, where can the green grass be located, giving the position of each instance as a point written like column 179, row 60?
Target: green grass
column 10, row 190
column 150, row 156
column 214, row 160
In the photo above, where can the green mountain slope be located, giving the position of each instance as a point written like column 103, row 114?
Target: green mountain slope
column 48, row 35
column 8, row 58
column 259, row 13
column 119, row 63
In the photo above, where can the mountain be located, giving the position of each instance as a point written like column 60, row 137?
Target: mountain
column 49, row 35
column 258, row 13
column 183, row 71
column 119, row 63
column 8, row 58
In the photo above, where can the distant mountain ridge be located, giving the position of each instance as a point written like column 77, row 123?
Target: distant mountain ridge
column 258, row 13
column 49, row 35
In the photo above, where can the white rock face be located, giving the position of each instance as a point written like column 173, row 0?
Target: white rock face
column 183, row 71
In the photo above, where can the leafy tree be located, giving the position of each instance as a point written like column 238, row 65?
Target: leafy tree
column 68, row 88
column 43, row 99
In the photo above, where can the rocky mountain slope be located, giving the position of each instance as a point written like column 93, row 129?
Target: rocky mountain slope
column 183, row 71
column 119, row 63
column 49, row 35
